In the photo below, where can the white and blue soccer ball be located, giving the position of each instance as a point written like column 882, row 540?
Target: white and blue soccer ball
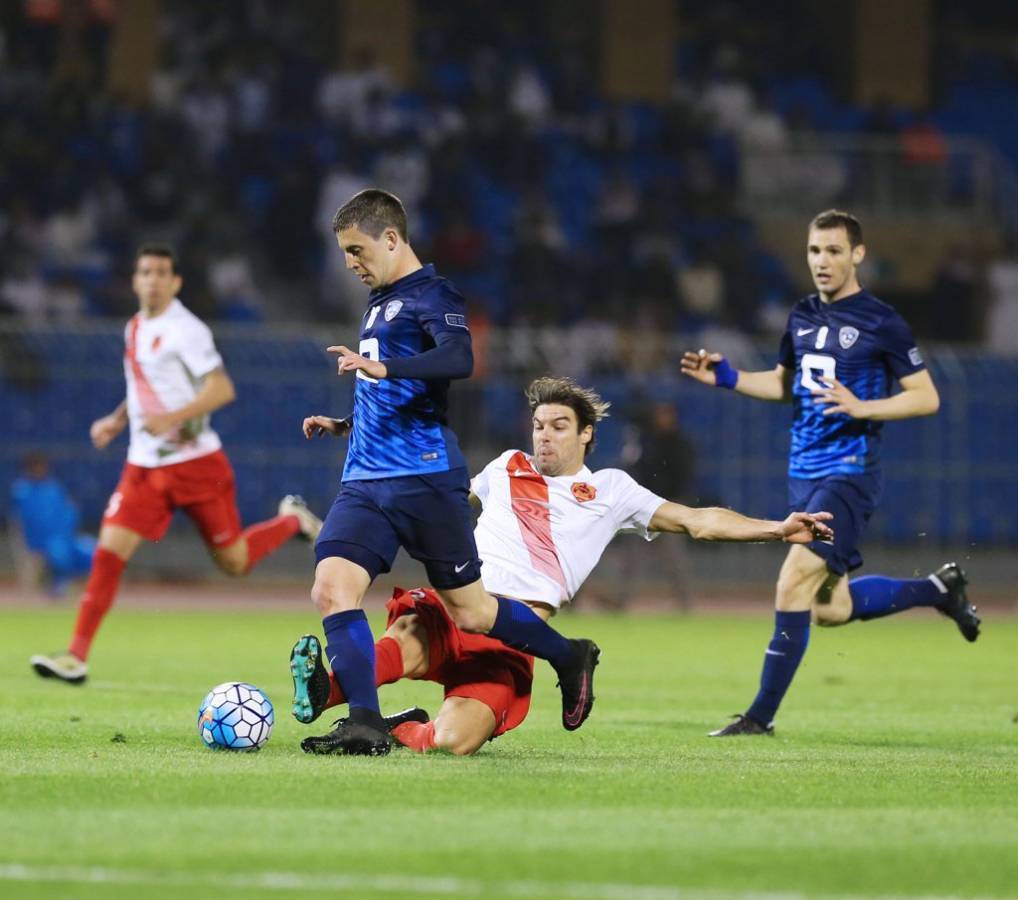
column 235, row 716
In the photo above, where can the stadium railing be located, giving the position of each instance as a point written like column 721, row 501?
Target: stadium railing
column 951, row 478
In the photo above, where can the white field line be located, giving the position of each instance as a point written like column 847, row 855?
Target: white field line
column 382, row 883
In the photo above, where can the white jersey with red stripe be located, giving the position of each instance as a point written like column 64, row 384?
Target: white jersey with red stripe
column 539, row 537
column 166, row 359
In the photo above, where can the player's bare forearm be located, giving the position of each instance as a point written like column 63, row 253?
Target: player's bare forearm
column 119, row 415
column 714, row 523
column 217, row 392
column 714, row 370
column 918, row 397
column 774, row 385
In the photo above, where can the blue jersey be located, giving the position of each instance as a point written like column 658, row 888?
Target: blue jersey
column 399, row 424
column 863, row 343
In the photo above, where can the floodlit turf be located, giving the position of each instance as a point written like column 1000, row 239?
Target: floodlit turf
column 894, row 772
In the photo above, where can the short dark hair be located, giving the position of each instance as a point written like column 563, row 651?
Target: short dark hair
column 372, row 211
column 587, row 403
column 836, row 218
column 157, row 248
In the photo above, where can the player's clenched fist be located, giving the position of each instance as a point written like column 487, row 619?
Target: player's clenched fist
column 104, row 430
column 317, row 426
column 803, row 528
column 700, row 365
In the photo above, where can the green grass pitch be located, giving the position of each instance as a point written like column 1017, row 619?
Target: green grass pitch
column 894, row 772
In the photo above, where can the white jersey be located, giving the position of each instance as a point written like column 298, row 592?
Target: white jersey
column 166, row 359
column 540, row 537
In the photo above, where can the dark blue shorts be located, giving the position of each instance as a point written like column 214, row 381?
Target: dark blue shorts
column 429, row 516
column 851, row 499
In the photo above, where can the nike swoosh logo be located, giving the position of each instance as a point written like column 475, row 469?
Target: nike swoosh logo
column 770, row 652
column 460, row 568
column 803, row 331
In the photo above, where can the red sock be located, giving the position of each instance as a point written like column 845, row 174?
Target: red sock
column 388, row 668
column 416, row 736
column 103, row 581
column 265, row 537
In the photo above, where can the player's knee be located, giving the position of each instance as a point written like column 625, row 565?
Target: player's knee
column 232, row 564
column 331, row 597
column 830, row 616
column 457, row 741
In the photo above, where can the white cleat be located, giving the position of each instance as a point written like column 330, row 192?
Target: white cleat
column 64, row 666
column 294, row 505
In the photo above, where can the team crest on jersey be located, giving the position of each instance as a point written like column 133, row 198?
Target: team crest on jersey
column 848, row 336
column 584, row 492
column 155, row 344
column 392, row 309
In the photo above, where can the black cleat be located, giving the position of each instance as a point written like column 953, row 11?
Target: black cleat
column 350, row 739
column 955, row 604
column 414, row 714
column 576, row 680
column 311, row 686
column 742, row 725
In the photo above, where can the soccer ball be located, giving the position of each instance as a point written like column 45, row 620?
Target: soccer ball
column 235, row 716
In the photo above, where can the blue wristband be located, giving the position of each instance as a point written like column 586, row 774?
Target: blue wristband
column 726, row 376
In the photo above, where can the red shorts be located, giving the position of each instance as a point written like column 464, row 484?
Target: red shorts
column 204, row 488
column 470, row 665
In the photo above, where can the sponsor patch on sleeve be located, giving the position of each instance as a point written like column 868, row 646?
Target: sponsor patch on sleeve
column 915, row 357
column 456, row 320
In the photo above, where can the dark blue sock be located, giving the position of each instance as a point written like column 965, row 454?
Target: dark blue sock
column 786, row 649
column 522, row 629
column 875, row 596
column 350, row 648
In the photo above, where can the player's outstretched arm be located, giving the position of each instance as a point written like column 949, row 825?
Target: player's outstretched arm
column 717, row 524
column 317, row 426
column 104, row 430
column 918, row 397
column 216, row 392
column 714, row 370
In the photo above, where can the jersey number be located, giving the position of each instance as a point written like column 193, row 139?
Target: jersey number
column 369, row 350
column 814, row 363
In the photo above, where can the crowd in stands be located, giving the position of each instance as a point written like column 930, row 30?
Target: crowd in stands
column 547, row 204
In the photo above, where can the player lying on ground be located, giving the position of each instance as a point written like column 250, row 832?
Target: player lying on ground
column 546, row 519
column 839, row 353
column 405, row 482
column 175, row 381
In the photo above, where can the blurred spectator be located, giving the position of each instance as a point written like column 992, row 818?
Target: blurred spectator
column 1002, row 316
column 44, row 524
column 661, row 457
column 951, row 314
column 924, row 158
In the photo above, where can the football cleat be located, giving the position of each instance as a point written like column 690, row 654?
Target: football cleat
column 310, row 524
column 311, row 687
column 63, row 666
column 742, row 725
column 955, row 604
column 414, row 714
column 576, row 681
column 350, row 739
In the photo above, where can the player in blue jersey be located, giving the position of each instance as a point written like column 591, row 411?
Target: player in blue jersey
column 840, row 354
column 405, row 483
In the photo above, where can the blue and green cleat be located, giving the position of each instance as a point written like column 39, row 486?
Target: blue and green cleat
column 311, row 686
